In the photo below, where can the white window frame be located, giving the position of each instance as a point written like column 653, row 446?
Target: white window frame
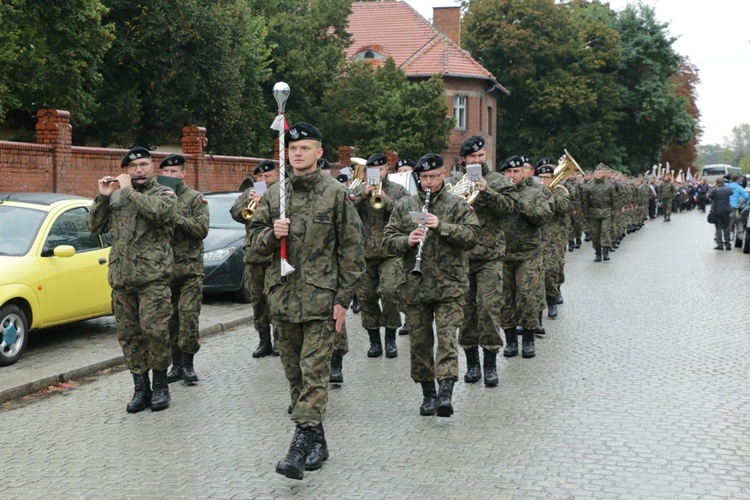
column 460, row 111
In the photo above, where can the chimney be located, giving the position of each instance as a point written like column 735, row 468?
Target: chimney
column 448, row 20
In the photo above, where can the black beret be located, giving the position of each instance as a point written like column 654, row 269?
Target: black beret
column 545, row 161
column 545, row 169
column 342, row 178
column 602, row 166
column 511, row 162
column 134, row 154
column 471, row 145
column 264, row 166
column 377, row 160
column 404, row 162
column 323, row 164
column 526, row 159
column 172, row 160
column 302, row 131
column 428, row 162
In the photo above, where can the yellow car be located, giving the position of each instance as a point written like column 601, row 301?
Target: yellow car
column 53, row 270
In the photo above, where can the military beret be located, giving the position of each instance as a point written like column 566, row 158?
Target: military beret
column 511, row 162
column 545, row 161
column 404, row 162
column 526, row 159
column 428, row 162
column 544, row 169
column 471, row 145
column 377, row 160
column 134, row 154
column 264, row 166
column 172, row 160
column 302, row 131
column 323, row 164
column 342, row 178
column 601, row 167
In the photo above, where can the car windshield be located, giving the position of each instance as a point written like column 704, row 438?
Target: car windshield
column 219, row 209
column 18, row 227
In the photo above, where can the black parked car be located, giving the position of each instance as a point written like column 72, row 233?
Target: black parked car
column 223, row 266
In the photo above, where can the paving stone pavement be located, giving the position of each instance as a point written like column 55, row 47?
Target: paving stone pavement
column 639, row 390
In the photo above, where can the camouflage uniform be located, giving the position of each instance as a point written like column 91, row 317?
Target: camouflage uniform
column 436, row 295
column 325, row 246
column 191, row 227
column 576, row 215
column 666, row 196
column 599, row 202
column 555, row 235
column 141, row 221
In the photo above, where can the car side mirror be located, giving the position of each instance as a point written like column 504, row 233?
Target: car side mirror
column 64, row 251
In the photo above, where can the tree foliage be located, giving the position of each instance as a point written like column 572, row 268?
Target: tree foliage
column 685, row 81
column 376, row 110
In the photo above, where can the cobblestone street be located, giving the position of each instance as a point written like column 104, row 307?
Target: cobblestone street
column 639, row 390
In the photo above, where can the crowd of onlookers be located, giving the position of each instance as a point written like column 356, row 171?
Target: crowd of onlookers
column 727, row 198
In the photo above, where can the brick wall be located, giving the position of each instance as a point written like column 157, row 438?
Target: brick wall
column 54, row 165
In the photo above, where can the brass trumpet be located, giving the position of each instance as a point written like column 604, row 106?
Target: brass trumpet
column 377, row 200
column 465, row 188
column 249, row 211
column 359, row 169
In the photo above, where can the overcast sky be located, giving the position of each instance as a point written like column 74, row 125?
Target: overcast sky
column 714, row 35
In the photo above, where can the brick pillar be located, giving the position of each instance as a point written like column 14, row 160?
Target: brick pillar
column 194, row 141
column 345, row 155
column 53, row 128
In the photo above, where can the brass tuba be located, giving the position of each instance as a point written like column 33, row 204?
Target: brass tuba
column 465, row 188
column 568, row 167
column 359, row 169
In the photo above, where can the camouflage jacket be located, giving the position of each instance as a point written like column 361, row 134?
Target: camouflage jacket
column 248, row 256
column 191, row 227
column 522, row 233
column 445, row 263
column 666, row 190
column 324, row 245
column 374, row 220
column 141, row 220
column 557, row 228
column 491, row 206
column 599, row 199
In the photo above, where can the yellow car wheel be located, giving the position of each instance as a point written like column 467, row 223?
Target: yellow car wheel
column 14, row 333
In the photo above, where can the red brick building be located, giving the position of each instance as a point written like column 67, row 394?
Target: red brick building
column 394, row 29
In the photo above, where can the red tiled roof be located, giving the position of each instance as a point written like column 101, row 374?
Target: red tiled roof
column 396, row 30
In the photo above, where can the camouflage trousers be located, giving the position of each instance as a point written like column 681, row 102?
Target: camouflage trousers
column 341, row 341
column 523, row 292
column 427, row 362
column 305, row 350
column 481, row 326
column 576, row 226
column 142, row 319
column 554, row 265
column 254, row 281
column 601, row 232
column 666, row 206
column 380, row 284
column 187, row 296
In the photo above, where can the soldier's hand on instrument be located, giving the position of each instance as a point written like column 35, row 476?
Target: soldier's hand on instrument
column 416, row 236
column 480, row 185
column 281, row 228
column 256, row 197
column 339, row 313
column 124, row 180
column 432, row 221
column 107, row 186
column 369, row 188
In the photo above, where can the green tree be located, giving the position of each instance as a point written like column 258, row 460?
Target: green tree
column 51, row 54
column 194, row 62
column 686, row 81
column 739, row 143
column 376, row 110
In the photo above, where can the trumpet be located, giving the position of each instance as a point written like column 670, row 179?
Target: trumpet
column 377, row 200
column 417, row 271
column 249, row 211
column 465, row 188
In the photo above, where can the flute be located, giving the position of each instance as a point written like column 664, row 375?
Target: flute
column 110, row 181
column 417, row 271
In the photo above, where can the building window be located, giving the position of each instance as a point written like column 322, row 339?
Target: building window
column 459, row 111
column 489, row 120
column 369, row 54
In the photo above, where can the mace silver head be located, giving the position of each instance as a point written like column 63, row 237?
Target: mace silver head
column 281, row 94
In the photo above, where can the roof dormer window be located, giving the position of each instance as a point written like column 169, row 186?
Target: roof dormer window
column 369, row 54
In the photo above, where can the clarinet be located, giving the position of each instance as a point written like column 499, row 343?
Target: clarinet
column 417, row 271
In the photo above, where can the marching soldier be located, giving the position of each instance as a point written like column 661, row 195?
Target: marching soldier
column 666, row 197
column 256, row 265
column 434, row 291
column 191, row 227
column 139, row 213
column 599, row 202
column 383, row 275
column 404, row 165
column 481, row 326
column 324, row 243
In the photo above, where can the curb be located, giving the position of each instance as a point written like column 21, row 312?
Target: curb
column 76, row 373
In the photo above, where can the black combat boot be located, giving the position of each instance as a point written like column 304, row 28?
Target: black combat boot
column 578, row 242
column 264, row 347
column 175, row 373
column 445, row 395
column 571, row 245
column 511, row 343
column 586, row 237
column 528, row 351
column 490, row 369
column 160, row 400
column 598, row 257
column 473, row 370
column 142, row 395
column 605, row 253
column 188, row 372
column 318, row 450
column 404, row 330
column 376, row 347
column 391, row 351
column 337, row 376
column 559, row 300
column 355, row 305
column 293, row 465
column 551, row 307
column 429, row 403
column 539, row 330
